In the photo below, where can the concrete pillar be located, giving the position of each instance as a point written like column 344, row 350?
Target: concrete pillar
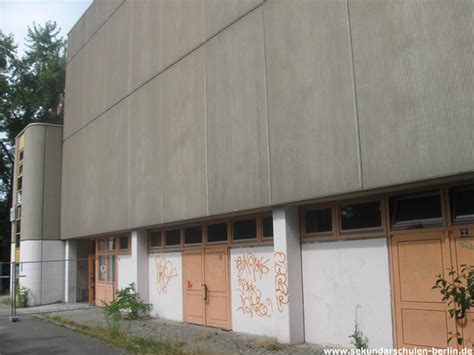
column 288, row 322
column 140, row 254
column 70, row 271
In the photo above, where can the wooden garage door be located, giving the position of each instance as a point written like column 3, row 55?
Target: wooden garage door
column 422, row 320
column 206, row 287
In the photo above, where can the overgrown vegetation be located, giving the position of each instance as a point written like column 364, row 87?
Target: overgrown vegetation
column 21, row 296
column 458, row 292
column 121, row 339
column 359, row 340
column 127, row 305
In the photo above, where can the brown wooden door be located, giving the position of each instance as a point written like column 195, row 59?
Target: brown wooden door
column 421, row 319
column 194, row 304
column 206, row 287
column 462, row 253
column 217, row 282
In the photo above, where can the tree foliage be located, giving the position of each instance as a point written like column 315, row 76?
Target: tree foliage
column 31, row 90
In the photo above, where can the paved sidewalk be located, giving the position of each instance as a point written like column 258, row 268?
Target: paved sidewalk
column 195, row 338
column 5, row 310
column 34, row 336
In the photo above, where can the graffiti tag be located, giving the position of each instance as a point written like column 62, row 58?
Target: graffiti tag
column 165, row 272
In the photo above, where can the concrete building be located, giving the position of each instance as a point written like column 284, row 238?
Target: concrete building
column 278, row 167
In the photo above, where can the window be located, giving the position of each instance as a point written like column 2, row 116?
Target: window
column 217, row 233
column 267, row 223
column 416, row 211
column 244, row 229
column 20, row 169
column 462, row 204
column 193, row 235
column 123, row 243
column 17, row 241
column 318, row 221
column 21, row 155
column 361, row 216
column 18, row 212
column 102, row 268
column 102, row 244
column 111, row 274
column 173, row 237
column 18, row 227
column 20, row 183
column 155, row 239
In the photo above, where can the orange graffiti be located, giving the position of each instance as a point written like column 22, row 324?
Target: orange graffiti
column 249, row 267
column 164, row 273
column 281, row 278
column 251, row 300
column 252, row 266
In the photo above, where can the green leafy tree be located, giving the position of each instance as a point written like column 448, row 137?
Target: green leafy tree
column 31, row 90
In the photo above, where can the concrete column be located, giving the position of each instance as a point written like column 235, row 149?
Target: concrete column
column 140, row 254
column 70, row 271
column 288, row 322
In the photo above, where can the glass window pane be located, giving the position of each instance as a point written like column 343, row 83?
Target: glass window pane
column 267, row 227
column 123, row 243
column 102, row 244
column 416, row 211
column 463, row 203
column 172, row 237
column 21, row 155
column 20, row 183
column 111, row 244
column 217, row 233
column 111, row 268
column 102, row 268
column 193, row 235
column 318, row 221
column 361, row 216
column 246, row 229
column 155, row 239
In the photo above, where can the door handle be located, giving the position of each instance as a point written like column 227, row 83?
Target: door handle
column 205, row 291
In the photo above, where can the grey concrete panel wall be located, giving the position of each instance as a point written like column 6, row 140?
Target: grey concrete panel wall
column 117, row 78
column 89, row 179
column 112, row 6
column 94, row 18
column 221, row 13
column 114, row 165
column 183, row 138
column 33, row 179
column 71, row 189
column 52, row 182
column 313, row 135
column 93, row 88
column 145, row 185
column 236, row 118
column 74, row 97
column 415, row 88
column 183, row 28
column 76, row 38
column 146, row 40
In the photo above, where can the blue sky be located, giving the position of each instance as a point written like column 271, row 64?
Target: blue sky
column 17, row 15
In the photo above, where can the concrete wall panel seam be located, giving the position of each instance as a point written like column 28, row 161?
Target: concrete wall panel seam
column 93, row 34
column 356, row 106
column 66, row 137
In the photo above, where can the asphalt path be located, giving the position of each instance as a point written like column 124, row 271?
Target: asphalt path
column 34, row 336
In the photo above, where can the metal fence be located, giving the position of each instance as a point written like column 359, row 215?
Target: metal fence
column 43, row 286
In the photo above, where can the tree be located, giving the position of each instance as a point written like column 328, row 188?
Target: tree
column 31, row 90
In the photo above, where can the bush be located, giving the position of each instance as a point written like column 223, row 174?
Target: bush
column 458, row 292
column 127, row 305
column 21, row 296
column 359, row 340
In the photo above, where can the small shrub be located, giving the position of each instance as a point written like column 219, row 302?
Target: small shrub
column 359, row 340
column 127, row 305
column 458, row 292
column 21, row 296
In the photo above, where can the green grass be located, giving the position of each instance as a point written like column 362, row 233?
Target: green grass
column 6, row 301
column 118, row 338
